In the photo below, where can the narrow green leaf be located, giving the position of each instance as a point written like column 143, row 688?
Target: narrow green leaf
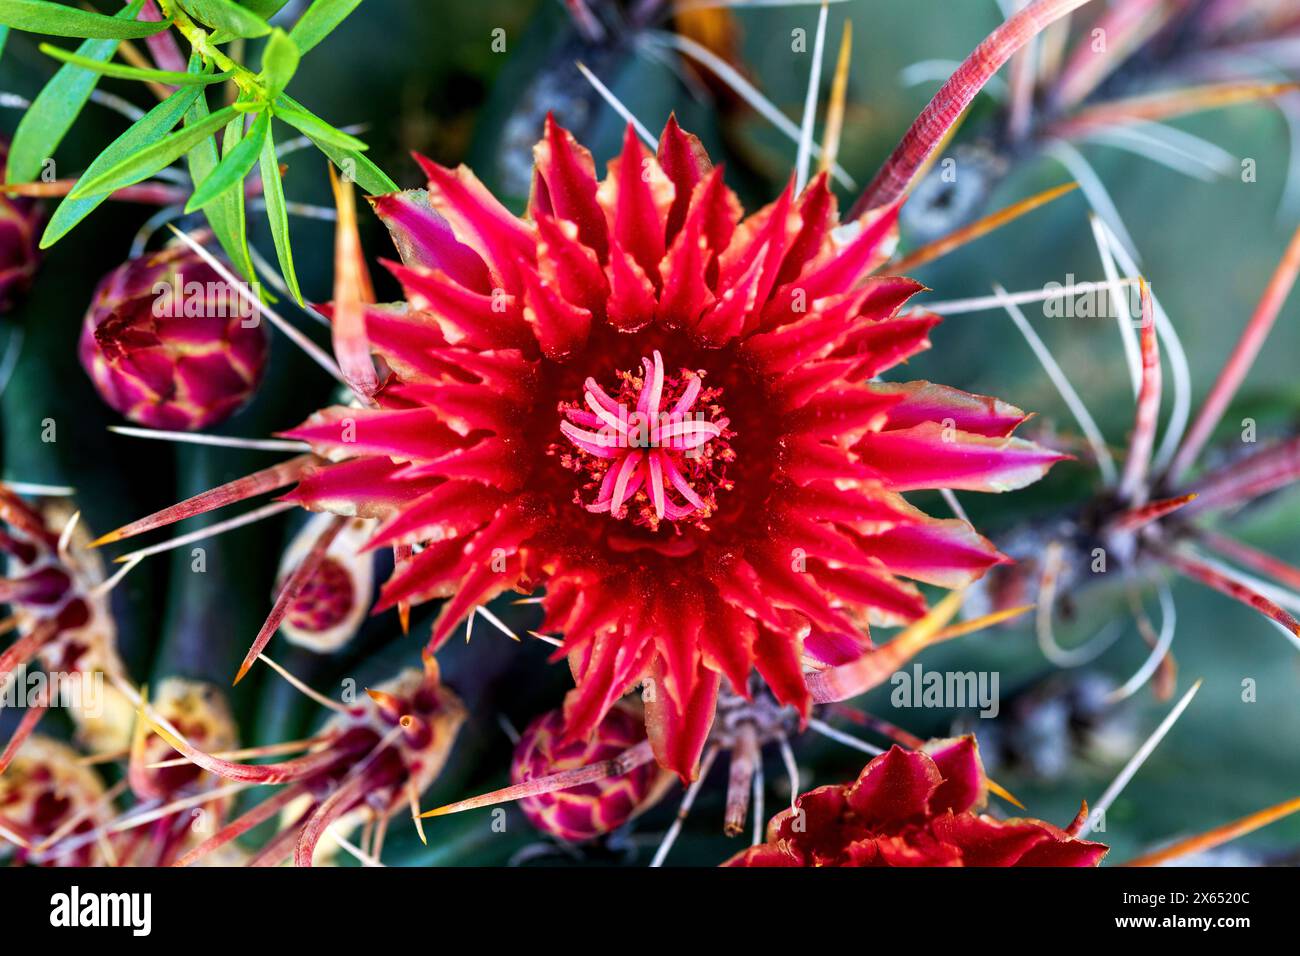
column 157, row 122
column 352, row 162
column 226, row 215
column 238, row 217
column 363, row 172
column 4, row 38
column 125, row 72
column 278, row 215
column 319, row 22
column 279, row 62
column 57, row 20
column 234, row 165
column 265, row 8
column 230, row 18
column 149, row 160
column 317, row 128
column 56, row 107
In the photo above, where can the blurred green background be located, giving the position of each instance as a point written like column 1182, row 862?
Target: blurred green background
column 424, row 77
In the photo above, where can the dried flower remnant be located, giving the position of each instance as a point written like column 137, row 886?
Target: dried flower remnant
column 913, row 808
column 370, row 761
column 170, row 344
column 55, row 587
column 48, row 793
column 200, row 712
column 590, row 809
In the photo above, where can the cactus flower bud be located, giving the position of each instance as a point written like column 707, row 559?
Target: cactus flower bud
column 170, row 344
column 586, row 811
column 20, row 221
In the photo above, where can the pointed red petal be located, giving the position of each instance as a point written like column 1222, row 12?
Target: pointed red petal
column 570, row 177
column 636, row 196
column 481, row 222
column 425, row 239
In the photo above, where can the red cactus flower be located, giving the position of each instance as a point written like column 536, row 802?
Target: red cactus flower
column 773, row 536
column 169, row 344
column 20, row 221
column 913, row 808
column 662, row 413
column 590, row 809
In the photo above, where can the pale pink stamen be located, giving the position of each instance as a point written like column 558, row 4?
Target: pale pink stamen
column 595, row 391
column 656, row 384
column 643, row 399
column 642, row 447
column 584, row 419
column 687, row 429
column 629, row 466
column 657, row 481
column 605, row 415
column 606, row 492
column 679, row 482
column 688, row 397
column 602, row 446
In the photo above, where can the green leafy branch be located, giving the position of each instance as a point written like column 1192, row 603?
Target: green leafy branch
column 182, row 125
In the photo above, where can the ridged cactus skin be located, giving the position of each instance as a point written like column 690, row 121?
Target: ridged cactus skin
column 587, row 811
column 169, row 344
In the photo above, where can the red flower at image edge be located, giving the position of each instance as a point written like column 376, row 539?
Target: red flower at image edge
column 664, row 416
column 911, row 808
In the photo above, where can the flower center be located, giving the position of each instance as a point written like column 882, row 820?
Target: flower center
column 654, row 449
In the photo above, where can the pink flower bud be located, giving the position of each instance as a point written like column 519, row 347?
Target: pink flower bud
column 20, row 222
column 170, row 344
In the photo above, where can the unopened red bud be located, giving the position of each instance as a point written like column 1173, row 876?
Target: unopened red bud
column 590, row 809
column 170, row 344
